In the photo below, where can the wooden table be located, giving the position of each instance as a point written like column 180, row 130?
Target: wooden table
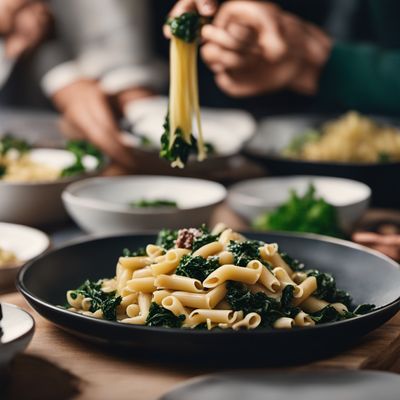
column 58, row 365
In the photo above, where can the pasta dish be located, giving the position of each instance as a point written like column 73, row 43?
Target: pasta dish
column 351, row 138
column 7, row 258
column 17, row 163
column 178, row 142
column 23, row 169
column 197, row 279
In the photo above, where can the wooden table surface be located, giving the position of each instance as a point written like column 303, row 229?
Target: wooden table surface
column 59, row 365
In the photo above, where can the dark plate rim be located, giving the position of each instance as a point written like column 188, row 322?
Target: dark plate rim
column 141, row 328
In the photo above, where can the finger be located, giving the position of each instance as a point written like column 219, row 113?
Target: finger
column 206, row 8
column 16, row 45
column 264, row 18
column 107, row 141
column 8, row 11
column 231, row 85
column 69, row 130
column 221, row 38
column 242, row 33
column 214, row 54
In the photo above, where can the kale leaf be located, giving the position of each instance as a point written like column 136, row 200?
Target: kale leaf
column 244, row 252
column 160, row 316
column 294, row 264
column 9, row 142
column 197, row 267
column 204, row 239
column 80, row 148
column 326, row 289
column 156, row 203
column 166, row 238
column 363, row 309
column 107, row 302
column 328, row 314
column 307, row 213
column 180, row 149
column 186, row 27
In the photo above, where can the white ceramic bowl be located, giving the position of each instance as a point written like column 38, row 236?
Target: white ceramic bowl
column 253, row 197
column 101, row 205
column 18, row 327
column 40, row 203
column 27, row 243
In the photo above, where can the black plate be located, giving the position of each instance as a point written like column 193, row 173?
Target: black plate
column 275, row 133
column 369, row 276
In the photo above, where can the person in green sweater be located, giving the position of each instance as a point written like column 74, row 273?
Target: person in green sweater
column 344, row 53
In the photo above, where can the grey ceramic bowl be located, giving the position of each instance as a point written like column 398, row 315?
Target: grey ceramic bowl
column 18, row 327
column 101, row 205
column 39, row 203
column 253, row 197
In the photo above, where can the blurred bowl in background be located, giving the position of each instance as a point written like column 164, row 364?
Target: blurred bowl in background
column 39, row 203
column 26, row 243
column 253, row 197
column 276, row 132
column 18, row 328
column 102, row 205
column 227, row 130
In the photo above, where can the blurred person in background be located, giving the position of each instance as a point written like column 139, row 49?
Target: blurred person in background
column 24, row 24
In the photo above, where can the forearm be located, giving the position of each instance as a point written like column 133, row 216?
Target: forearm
column 364, row 77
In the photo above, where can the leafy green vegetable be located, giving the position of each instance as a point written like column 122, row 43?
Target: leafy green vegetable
column 160, row 316
column 240, row 298
column 302, row 214
column 136, row 253
column 326, row 289
column 9, row 142
column 80, row 148
column 204, row 239
column 166, row 238
column 244, row 252
column 287, row 296
column 296, row 265
column 156, row 203
column 180, row 149
column 186, row 26
column 327, row 314
column 107, row 302
column 197, row 267
column 363, row 309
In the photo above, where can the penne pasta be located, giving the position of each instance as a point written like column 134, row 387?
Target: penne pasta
column 177, row 282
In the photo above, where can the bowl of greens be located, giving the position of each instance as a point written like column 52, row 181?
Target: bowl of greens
column 323, row 205
column 140, row 203
column 32, row 179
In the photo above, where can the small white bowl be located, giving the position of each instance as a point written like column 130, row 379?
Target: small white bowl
column 39, row 203
column 27, row 243
column 253, row 197
column 18, row 328
column 101, row 205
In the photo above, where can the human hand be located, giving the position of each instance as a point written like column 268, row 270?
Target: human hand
column 206, row 8
column 255, row 48
column 86, row 109
column 386, row 244
column 23, row 24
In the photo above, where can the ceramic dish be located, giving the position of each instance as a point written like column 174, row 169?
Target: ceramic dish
column 22, row 201
column 369, row 276
column 275, row 133
column 26, row 243
column 17, row 331
column 226, row 129
column 253, row 197
column 101, row 205
column 310, row 385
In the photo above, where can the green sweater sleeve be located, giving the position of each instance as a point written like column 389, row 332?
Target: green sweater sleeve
column 363, row 77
